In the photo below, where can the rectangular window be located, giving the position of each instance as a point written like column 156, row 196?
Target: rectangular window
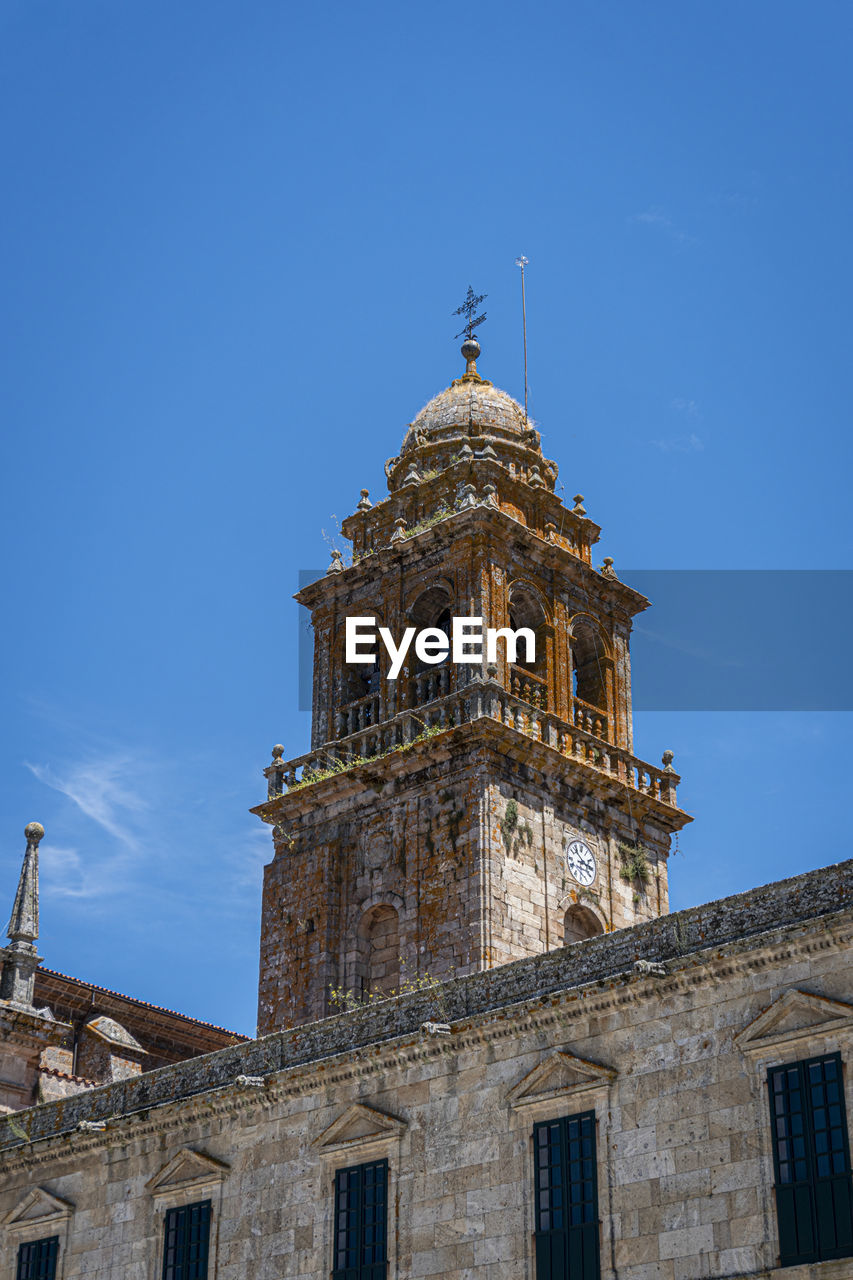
column 37, row 1260
column 361, row 1234
column 566, row 1199
column 811, row 1156
column 186, row 1244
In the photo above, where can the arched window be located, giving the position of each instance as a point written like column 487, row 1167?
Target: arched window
column 432, row 609
column 589, row 664
column 362, row 679
column 580, row 923
column 525, row 610
column 429, row 680
column 379, row 951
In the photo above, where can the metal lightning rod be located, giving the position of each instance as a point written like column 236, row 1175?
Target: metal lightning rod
column 522, row 262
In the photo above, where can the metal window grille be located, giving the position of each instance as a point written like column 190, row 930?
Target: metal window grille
column 187, row 1241
column 361, row 1227
column 811, row 1155
column 37, row 1259
column 567, row 1229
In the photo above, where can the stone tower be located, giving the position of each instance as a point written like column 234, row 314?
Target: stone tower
column 461, row 816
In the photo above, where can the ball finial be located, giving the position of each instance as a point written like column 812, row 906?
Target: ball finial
column 277, row 751
column 34, row 831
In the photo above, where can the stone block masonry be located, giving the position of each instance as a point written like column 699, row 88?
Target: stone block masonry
column 669, row 1056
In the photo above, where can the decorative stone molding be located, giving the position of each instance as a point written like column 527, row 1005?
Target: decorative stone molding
column 561, row 1075
column 39, row 1208
column 359, row 1126
column 796, row 1015
column 187, row 1171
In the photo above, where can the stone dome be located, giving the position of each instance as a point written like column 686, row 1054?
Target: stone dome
column 465, row 402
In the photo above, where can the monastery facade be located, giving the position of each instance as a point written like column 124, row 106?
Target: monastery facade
column 486, row 1049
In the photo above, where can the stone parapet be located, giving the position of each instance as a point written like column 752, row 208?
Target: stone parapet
column 736, row 922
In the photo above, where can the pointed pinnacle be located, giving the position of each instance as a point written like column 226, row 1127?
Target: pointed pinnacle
column 24, row 923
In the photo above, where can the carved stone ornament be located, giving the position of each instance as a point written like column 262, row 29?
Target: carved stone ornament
column 795, row 1016
column 560, row 1075
column 359, row 1126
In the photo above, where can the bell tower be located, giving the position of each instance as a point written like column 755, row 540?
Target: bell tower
column 462, row 815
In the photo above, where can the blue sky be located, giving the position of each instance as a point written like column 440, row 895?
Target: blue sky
column 233, row 235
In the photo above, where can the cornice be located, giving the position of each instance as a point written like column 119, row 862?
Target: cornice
column 547, row 762
column 550, row 1011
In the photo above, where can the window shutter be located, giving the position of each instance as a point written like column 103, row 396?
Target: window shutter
column 566, row 1193
column 811, row 1156
column 361, row 1222
column 37, row 1259
column 187, row 1242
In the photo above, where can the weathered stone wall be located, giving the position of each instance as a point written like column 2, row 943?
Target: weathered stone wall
column 672, row 1063
column 466, row 842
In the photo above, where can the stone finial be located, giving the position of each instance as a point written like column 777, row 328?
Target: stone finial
column 535, row 478
column 550, row 531
column 413, row 476
column 470, row 350
column 578, row 509
column 399, row 530
column 488, row 454
column 17, row 981
column 364, row 503
column 277, row 751
column 337, row 565
column 607, row 570
column 466, row 453
column 666, row 760
column 24, row 922
column 490, row 495
column 469, row 496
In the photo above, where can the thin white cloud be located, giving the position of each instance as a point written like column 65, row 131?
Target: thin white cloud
column 679, row 444
column 103, row 789
column 689, row 407
column 659, row 220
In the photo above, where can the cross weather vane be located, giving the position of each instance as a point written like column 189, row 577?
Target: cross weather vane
column 468, row 310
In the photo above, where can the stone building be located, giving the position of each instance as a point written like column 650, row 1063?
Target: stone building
column 60, row 1036
column 486, row 1049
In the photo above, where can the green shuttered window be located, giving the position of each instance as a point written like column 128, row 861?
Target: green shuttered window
column 361, row 1222
column 566, row 1199
column 187, row 1240
column 811, row 1155
column 37, row 1260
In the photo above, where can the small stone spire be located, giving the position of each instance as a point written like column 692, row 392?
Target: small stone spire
column 21, row 959
column 24, row 924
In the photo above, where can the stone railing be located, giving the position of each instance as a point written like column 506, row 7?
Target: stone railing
column 425, row 686
column 358, row 715
column 480, row 698
column 529, row 687
column 591, row 718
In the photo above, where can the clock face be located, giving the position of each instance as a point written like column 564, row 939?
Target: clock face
column 581, row 861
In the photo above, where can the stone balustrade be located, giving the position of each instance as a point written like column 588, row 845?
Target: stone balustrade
column 530, row 688
column 358, row 715
column 480, row 698
column 591, row 718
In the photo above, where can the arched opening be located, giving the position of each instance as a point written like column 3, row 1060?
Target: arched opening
column 579, row 923
column 590, row 667
column 359, row 692
column 430, row 679
column 528, row 676
column 379, row 952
